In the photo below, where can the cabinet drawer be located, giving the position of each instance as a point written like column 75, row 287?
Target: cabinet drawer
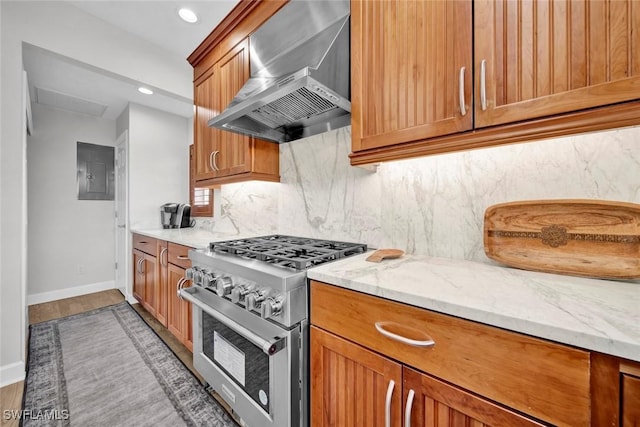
column 145, row 244
column 546, row 380
column 179, row 255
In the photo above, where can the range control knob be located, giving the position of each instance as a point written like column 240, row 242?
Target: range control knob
column 209, row 280
column 239, row 293
column 254, row 300
column 223, row 285
column 195, row 275
column 271, row 307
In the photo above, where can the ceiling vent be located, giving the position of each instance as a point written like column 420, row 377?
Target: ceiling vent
column 69, row 102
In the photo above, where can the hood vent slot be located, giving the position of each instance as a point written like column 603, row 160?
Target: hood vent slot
column 292, row 107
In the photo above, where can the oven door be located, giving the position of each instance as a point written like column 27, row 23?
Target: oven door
column 255, row 365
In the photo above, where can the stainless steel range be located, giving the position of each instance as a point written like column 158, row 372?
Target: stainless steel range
column 250, row 322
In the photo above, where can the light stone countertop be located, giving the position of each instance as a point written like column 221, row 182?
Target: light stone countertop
column 193, row 237
column 593, row 314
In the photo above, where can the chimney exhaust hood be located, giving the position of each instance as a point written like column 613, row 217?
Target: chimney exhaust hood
column 300, row 75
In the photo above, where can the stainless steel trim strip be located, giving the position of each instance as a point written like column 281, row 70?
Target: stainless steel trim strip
column 269, row 347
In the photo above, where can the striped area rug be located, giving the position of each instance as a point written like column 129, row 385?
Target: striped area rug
column 107, row 367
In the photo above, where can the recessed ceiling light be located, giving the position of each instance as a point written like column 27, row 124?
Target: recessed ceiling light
column 145, row 90
column 188, row 15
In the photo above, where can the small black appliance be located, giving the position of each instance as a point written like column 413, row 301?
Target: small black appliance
column 175, row 215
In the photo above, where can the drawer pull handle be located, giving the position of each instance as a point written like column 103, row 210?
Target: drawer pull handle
column 387, row 404
column 407, row 409
column 182, row 257
column 416, row 343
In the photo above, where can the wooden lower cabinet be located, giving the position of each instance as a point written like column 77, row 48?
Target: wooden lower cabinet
column 454, row 372
column 144, row 283
column 138, row 275
column 630, row 401
column 431, row 402
column 353, row 386
column 349, row 383
column 159, row 267
column 162, row 282
column 150, row 302
column 179, row 310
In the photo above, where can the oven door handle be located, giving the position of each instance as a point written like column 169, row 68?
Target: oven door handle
column 269, row 347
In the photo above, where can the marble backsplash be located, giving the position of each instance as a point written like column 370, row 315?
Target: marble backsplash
column 432, row 205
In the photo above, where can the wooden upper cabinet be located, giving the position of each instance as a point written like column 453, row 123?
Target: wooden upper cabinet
column 221, row 156
column 207, row 105
column 234, row 149
column 221, row 66
column 544, row 57
column 200, row 199
column 539, row 69
column 411, row 70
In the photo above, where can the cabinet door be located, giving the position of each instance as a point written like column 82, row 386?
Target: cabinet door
column 138, row 275
column 150, row 301
column 234, row 70
column 350, row 384
column 406, row 62
column 545, row 57
column 430, row 402
column 206, row 102
column 630, row 401
column 178, row 310
column 175, row 308
column 162, row 282
column 188, row 324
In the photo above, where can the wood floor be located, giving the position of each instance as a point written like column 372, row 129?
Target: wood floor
column 11, row 395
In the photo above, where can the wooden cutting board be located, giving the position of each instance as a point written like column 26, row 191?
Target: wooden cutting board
column 593, row 238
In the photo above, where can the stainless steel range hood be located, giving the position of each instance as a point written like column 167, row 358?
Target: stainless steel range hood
column 300, row 81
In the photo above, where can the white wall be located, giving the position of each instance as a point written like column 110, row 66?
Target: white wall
column 63, row 29
column 158, row 163
column 70, row 242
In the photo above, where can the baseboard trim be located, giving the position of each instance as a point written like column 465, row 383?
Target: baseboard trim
column 131, row 299
column 12, row 373
column 70, row 292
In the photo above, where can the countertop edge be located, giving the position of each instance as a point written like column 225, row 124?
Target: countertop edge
column 558, row 334
column 192, row 237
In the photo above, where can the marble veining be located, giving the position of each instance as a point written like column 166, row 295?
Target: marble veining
column 594, row 314
column 426, row 206
column 433, row 209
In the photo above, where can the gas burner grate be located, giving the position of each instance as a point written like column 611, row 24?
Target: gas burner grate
column 298, row 253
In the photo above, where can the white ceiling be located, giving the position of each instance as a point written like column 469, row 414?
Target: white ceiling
column 157, row 21
column 70, row 84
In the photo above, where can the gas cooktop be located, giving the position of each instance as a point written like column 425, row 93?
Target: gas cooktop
column 299, row 253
